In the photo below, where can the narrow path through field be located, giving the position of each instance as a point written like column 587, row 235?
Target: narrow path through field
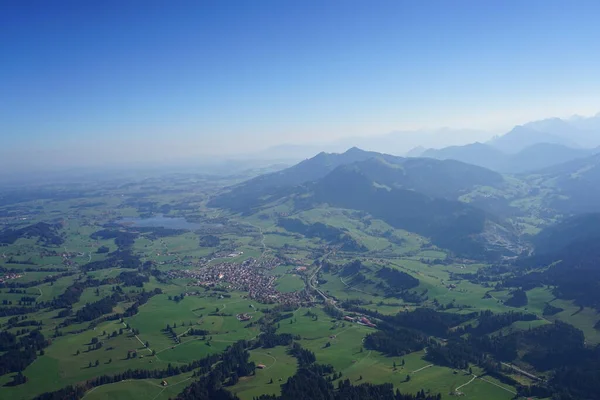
column 180, row 335
column 353, row 288
column 338, row 334
column 421, row 369
column 140, row 340
column 463, row 385
column 85, row 395
column 268, row 355
column 165, row 388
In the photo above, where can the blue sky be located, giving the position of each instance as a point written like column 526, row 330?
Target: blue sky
column 208, row 77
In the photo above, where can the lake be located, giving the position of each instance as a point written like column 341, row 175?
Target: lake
column 165, row 222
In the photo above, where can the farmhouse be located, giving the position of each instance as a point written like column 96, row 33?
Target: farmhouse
column 243, row 317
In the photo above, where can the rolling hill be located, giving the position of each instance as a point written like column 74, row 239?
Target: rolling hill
column 419, row 195
column 577, row 184
column 447, row 178
column 570, row 249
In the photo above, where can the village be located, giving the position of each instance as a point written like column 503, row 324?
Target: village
column 248, row 276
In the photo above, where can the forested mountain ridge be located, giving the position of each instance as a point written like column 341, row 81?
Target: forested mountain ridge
column 416, row 194
column 434, row 177
column 567, row 257
column 576, row 183
column 450, row 224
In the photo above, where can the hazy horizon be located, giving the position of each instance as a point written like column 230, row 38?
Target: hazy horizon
column 90, row 84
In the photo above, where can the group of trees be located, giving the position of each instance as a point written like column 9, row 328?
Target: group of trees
column 47, row 234
column 269, row 340
column 488, row 322
column 229, row 361
column 96, row 309
column 518, row 298
column 397, row 280
column 396, row 341
column 328, row 233
column 19, row 352
column 133, row 278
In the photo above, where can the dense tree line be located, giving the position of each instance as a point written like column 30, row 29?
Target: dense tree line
column 322, row 231
column 18, row 353
column 456, row 353
column 47, row 279
column 96, row 309
column 142, row 298
column 72, row 294
column 47, row 234
column 305, row 357
column 427, row 320
column 432, row 322
column 332, row 311
column 549, row 310
column 396, row 341
column 397, row 280
column 545, row 348
column 269, row 340
column 351, row 268
column 122, row 239
column 197, row 332
column 518, row 299
column 122, row 258
column 133, row 278
column 488, row 322
column 209, row 241
column 10, row 311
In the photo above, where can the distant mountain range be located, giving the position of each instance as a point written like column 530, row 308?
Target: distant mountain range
column 534, row 157
column 535, row 145
column 576, row 132
column 522, row 137
column 397, row 143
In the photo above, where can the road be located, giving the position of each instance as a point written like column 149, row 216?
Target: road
column 352, row 288
column 313, row 287
column 525, row 373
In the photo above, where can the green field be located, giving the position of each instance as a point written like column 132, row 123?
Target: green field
column 160, row 329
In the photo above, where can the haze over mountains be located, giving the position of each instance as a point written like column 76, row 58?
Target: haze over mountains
column 576, row 132
column 535, row 145
column 454, row 195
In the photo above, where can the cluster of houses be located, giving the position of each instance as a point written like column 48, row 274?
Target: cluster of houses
column 361, row 320
column 248, row 276
column 10, row 275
